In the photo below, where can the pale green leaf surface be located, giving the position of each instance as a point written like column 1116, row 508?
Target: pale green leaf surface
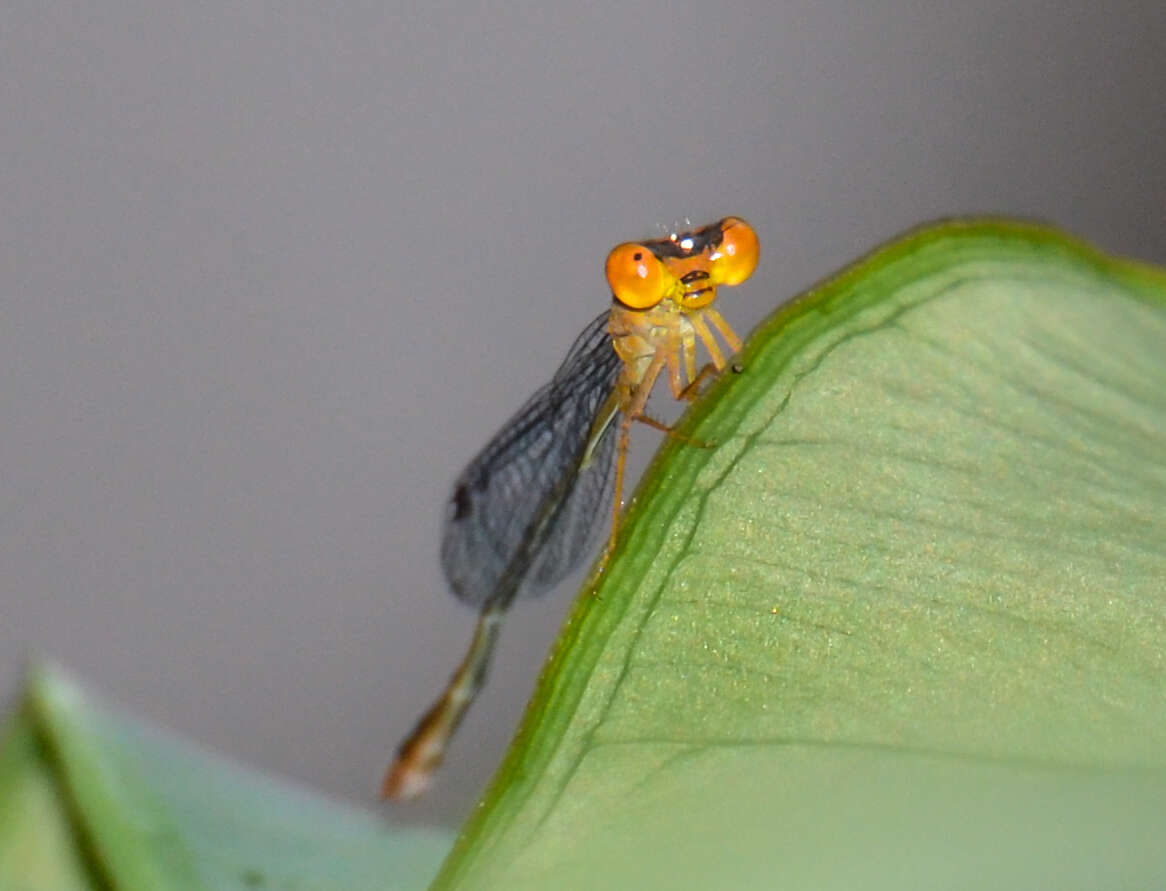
column 38, row 849
column 903, row 626
column 146, row 810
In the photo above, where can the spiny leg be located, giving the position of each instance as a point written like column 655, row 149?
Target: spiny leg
column 422, row 750
column 632, row 408
column 674, row 351
column 688, row 346
column 707, row 338
column 690, row 392
column 670, row 431
column 721, row 325
column 621, row 453
column 718, row 359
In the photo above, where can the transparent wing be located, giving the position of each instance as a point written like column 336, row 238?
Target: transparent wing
column 524, row 513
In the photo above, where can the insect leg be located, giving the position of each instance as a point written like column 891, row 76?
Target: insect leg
column 690, row 392
column 636, row 399
column 706, row 336
column 687, row 345
column 673, row 357
column 670, row 431
column 721, row 325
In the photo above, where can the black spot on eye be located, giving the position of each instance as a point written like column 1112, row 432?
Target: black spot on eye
column 638, row 256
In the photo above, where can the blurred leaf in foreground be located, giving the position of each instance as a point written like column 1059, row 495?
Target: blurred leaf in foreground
column 92, row 800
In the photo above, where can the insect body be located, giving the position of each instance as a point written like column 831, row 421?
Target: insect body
column 525, row 511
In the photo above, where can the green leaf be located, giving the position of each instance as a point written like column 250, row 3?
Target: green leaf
column 93, row 799
column 903, row 626
column 38, row 848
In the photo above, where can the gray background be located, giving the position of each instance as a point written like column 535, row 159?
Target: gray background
column 271, row 274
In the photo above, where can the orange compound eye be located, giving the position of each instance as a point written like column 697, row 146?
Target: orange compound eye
column 736, row 256
column 637, row 279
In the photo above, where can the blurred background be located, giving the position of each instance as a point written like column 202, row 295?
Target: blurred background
column 271, row 274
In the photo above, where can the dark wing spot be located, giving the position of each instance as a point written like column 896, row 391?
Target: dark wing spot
column 462, row 503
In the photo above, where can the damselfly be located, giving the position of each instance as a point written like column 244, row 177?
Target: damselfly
column 526, row 510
